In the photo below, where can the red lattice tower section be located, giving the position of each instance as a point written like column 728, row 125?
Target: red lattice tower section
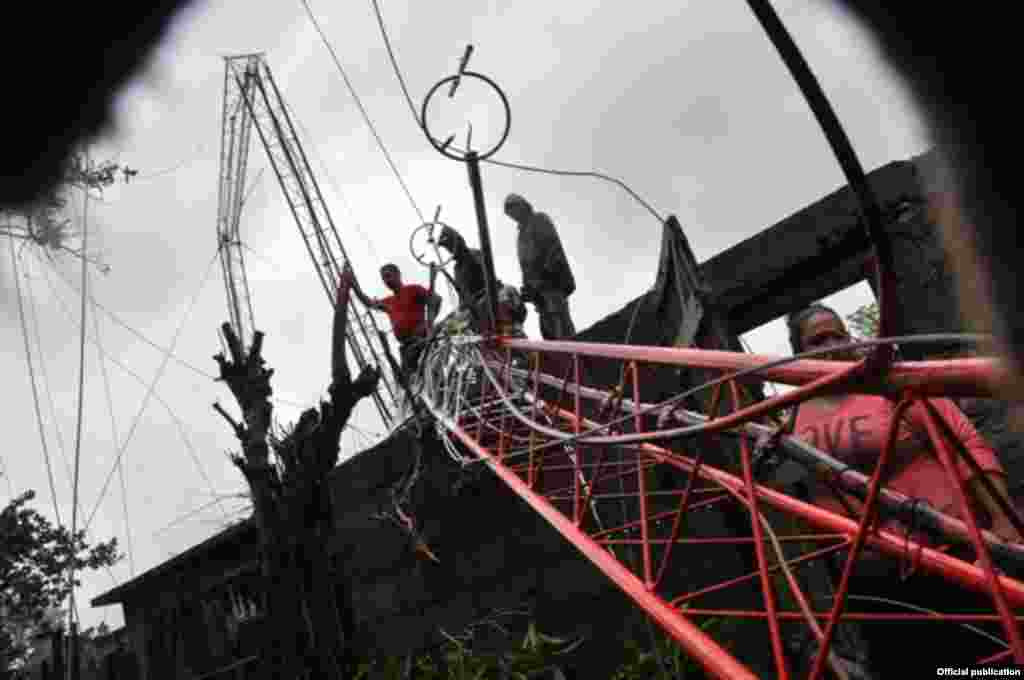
column 594, row 465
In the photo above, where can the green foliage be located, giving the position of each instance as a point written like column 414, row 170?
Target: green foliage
column 539, row 656
column 864, row 321
column 35, row 558
column 642, row 662
column 536, row 657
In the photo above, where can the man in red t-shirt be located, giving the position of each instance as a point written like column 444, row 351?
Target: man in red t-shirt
column 407, row 308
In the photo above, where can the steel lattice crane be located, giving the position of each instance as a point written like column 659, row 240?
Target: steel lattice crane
column 252, row 99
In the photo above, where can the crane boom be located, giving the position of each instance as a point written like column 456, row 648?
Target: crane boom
column 248, row 82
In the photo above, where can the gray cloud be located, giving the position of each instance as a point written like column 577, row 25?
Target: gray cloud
column 686, row 103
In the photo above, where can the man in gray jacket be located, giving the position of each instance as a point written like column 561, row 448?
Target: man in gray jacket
column 547, row 279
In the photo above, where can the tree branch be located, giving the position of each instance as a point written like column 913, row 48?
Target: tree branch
column 237, row 427
column 344, row 392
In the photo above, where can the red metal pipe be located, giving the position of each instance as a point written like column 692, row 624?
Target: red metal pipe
column 767, row 587
column 895, row 546
column 677, row 522
column 1001, row 656
column 659, row 516
column 932, row 560
column 949, row 526
column 867, row 519
column 698, row 644
column 533, row 416
column 944, row 455
column 590, row 487
column 724, row 541
column 949, row 377
column 576, row 510
column 628, row 469
column 814, row 554
column 857, row 616
column 502, row 435
column 641, row 485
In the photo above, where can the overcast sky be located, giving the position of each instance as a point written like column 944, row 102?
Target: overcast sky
column 686, row 102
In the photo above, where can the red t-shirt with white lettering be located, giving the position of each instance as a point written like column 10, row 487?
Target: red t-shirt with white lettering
column 855, row 434
column 407, row 310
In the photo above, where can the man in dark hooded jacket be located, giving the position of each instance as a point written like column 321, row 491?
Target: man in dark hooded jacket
column 471, row 282
column 469, row 265
column 547, row 279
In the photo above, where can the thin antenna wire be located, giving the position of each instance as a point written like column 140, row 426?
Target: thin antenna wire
column 81, row 403
column 506, row 164
column 149, row 391
column 144, row 383
column 32, row 378
column 33, row 317
column 114, row 438
column 362, row 109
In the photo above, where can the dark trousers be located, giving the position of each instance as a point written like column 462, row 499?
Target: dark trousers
column 410, row 349
column 555, row 320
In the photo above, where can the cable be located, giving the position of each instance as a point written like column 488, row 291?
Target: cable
column 517, row 166
column 584, row 437
column 191, row 513
column 160, row 348
column 81, row 394
column 794, row 586
column 394, row 65
column 923, row 610
column 35, row 391
column 37, row 336
column 152, row 386
column 142, row 381
column 173, row 168
column 366, row 116
column 139, row 335
column 114, row 438
column 7, row 475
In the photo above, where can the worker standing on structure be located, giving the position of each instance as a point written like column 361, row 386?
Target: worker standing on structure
column 407, row 308
column 547, row 279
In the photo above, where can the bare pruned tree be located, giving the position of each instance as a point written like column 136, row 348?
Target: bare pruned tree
column 292, row 503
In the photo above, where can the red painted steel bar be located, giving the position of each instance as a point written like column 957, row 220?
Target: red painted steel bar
column 859, row 616
column 716, row 400
column 767, row 587
column 895, row 546
column 949, row 377
column 981, row 550
column 533, row 416
column 677, row 523
column 951, row 527
column 480, row 420
column 504, row 412
column 659, row 516
column 1001, row 656
column 887, row 542
column 698, row 644
column 867, row 519
column 641, row 473
column 576, row 510
column 726, row 541
column 590, row 487
column 814, row 554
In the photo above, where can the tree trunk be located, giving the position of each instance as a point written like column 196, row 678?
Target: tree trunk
column 291, row 503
